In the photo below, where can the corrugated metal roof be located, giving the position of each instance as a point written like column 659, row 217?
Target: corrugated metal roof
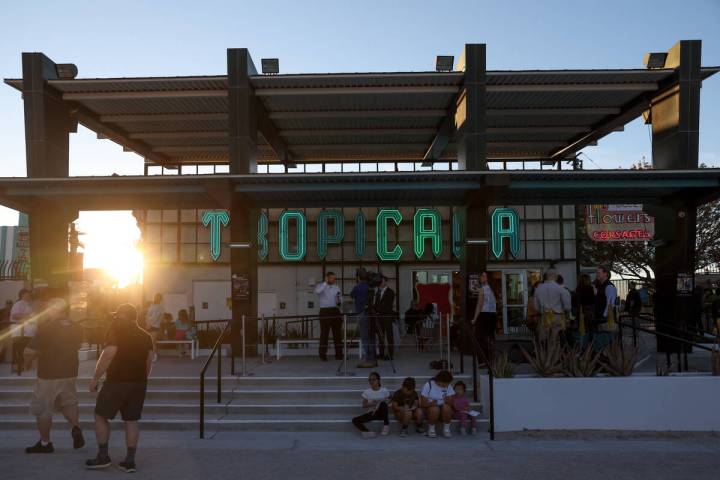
column 392, row 108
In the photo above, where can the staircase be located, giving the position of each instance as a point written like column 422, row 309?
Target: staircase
column 261, row 404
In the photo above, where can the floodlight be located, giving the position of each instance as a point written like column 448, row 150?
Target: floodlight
column 444, row 63
column 66, row 71
column 476, row 241
column 270, row 66
column 655, row 59
column 240, row 245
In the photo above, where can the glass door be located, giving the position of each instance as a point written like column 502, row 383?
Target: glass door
column 514, row 293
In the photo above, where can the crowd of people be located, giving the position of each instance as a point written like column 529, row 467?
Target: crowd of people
column 437, row 403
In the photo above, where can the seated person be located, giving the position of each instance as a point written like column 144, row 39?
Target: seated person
column 167, row 327
column 184, row 330
column 436, row 398
column 406, row 407
column 375, row 401
column 461, row 409
column 413, row 317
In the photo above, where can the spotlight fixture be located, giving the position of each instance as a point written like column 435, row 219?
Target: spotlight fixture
column 444, row 63
column 477, row 241
column 270, row 66
column 655, row 60
column 66, row 71
column 240, row 245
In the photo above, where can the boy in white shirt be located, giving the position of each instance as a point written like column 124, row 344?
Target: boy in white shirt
column 436, row 401
column 375, row 401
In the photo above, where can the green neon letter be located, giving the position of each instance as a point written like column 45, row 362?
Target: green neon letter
column 262, row 230
column 422, row 232
column 322, row 230
column 299, row 252
column 458, row 241
column 360, row 235
column 381, row 237
column 215, row 219
column 512, row 231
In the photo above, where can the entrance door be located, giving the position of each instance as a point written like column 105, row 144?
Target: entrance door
column 515, row 296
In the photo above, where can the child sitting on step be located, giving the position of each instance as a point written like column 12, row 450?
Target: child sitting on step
column 375, row 401
column 406, row 407
column 461, row 409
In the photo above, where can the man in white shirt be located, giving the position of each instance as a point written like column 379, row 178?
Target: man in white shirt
column 553, row 303
column 23, row 327
column 154, row 318
column 329, row 297
column 485, row 318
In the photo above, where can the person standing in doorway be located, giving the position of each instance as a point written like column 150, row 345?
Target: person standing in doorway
column 56, row 346
column 127, row 359
column 154, row 319
column 23, row 327
column 359, row 294
column 330, row 316
column 485, row 318
column 605, row 297
column 382, row 307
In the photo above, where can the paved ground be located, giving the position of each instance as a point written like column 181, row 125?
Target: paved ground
column 345, row 456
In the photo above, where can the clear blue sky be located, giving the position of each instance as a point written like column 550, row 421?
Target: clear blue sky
column 131, row 38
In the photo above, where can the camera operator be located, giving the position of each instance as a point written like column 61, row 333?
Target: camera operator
column 381, row 308
column 359, row 294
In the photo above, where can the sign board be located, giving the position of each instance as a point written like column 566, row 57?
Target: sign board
column 240, row 287
column 619, row 223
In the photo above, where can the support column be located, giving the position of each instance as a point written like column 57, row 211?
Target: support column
column 243, row 216
column 675, row 119
column 470, row 116
column 48, row 124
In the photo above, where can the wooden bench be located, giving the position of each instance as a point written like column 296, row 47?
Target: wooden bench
column 314, row 341
column 192, row 343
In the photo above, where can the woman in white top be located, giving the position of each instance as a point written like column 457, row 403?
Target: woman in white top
column 436, row 401
column 375, row 401
column 22, row 327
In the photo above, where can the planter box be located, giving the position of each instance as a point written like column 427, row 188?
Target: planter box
column 647, row 403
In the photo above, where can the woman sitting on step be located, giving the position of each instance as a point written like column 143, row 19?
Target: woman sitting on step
column 375, row 401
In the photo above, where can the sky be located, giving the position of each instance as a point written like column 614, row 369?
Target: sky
column 166, row 38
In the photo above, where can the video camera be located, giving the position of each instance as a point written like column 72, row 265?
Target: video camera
column 373, row 279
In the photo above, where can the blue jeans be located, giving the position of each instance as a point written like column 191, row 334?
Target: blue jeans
column 368, row 340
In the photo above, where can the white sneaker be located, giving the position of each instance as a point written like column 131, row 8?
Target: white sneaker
column 446, row 431
column 367, row 434
column 385, row 430
column 431, row 431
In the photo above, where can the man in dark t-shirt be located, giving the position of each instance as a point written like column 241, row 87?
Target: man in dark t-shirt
column 55, row 345
column 127, row 359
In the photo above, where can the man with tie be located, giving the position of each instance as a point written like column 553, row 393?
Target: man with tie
column 383, row 302
column 330, row 316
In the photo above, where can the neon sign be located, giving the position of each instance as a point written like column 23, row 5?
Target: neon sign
column 427, row 227
column 215, row 219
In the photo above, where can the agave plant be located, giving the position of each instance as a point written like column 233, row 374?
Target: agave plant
column 581, row 364
column 618, row 358
column 502, row 367
column 547, row 357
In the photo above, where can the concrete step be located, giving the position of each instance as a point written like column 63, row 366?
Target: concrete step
column 213, row 425
column 171, row 410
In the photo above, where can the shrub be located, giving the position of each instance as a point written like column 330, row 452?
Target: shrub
column 502, row 367
column 547, row 356
column 618, row 358
column 581, row 364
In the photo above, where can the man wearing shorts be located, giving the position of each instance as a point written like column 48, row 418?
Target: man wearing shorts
column 127, row 360
column 56, row 346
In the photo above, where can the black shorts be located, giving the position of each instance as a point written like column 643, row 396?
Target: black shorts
column 124, row 397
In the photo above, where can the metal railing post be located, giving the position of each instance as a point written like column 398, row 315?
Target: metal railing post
column 345, row 345
column 243, row 346
column 449, row 360
column 475, row 371
column 202, row 405
column 219, row 374
column 262, row 338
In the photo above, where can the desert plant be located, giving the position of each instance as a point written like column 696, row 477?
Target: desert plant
column 618, row 358
column 502, row 367
column 581, row 364
column 547, row 356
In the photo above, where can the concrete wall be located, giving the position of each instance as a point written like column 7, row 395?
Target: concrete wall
column 679, row 403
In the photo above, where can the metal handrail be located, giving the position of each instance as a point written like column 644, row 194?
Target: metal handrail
column 216, row 348
column 478, row 352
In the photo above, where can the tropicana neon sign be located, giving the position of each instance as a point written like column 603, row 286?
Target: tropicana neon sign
column 427, row 227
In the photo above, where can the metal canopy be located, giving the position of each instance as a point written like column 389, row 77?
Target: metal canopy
column 359, row 189
column 364, row 116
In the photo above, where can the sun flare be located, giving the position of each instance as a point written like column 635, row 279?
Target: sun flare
column 110, row 242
